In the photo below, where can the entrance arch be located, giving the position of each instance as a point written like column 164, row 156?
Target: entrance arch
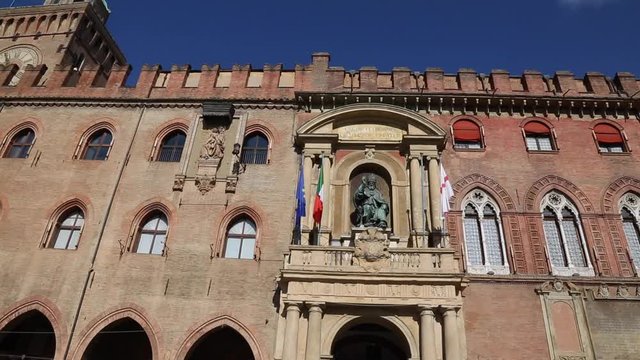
column 30, row 335
column 371, row 339
column 122, row 339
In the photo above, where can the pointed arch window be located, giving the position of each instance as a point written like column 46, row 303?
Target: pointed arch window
column 240, row 241
column 538, row 136
column 68, row 229
column 21, row 144
column 255, row 149
column 172, row 146
column 98, row 145
column 565, row 240
column 630, row 211
column 483, row 236
column 609, row 139
column 152, row 234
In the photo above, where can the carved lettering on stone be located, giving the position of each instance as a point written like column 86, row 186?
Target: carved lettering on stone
column 370, row 132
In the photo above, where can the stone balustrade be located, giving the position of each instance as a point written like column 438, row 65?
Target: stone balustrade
column 344, row 259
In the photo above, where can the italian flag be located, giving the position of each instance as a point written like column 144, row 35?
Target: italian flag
column 319, row 201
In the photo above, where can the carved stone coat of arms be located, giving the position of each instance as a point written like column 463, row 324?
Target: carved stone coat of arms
column 372, row 250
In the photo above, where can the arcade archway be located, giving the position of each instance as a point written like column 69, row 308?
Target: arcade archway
column 28, row 336
column 223, row 343
column 123, row 339
column 370, row 340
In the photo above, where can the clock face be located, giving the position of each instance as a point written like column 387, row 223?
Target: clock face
column 21, row 56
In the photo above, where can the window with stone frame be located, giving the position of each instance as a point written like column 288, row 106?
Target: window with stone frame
column 630, row 212
column 151, row 236
column 566, row 245
column 609, row 139
column 98, row 145
column 20, row 144
column 171, row 147
column 68, row 229
column 538, row 136
column 240, row 241
column 467, row 135
column 484, row 243
column 255, row 149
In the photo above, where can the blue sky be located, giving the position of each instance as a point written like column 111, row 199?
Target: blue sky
column 547, row 35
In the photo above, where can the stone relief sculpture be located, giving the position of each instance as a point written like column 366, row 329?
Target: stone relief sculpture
column 371, row 208
column 372, row 250
column 213, row 148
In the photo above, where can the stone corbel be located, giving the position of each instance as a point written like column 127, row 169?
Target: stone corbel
column 178, row 182
column 205, row 183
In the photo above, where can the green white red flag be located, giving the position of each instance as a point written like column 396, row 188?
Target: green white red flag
column 318, row 204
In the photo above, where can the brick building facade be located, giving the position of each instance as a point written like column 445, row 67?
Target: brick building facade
column 158, row 220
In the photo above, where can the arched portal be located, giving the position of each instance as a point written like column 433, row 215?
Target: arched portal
column 223, row 343
column 30, row 335
column 123, row 339
column 368, row 339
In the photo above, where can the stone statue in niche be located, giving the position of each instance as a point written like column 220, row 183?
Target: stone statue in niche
column 371, row 209
column 213, row 148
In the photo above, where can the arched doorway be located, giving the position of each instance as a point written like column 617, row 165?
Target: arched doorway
column 30, row 335
column 369, row 340
column 222, row 343
column 124, row 339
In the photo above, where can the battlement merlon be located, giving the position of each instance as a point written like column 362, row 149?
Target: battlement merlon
column 272, row 82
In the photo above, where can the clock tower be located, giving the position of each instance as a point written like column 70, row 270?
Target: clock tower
column 59, row 32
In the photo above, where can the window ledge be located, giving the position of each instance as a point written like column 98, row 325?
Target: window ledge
column 572, row 271
column 488, row 270
column 626, row 153
column 547, row 152
column 469, row 150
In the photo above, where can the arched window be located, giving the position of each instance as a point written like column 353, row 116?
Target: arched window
column 466, row 135
column 630, row 211
column 609, row 139
column 152, row 234
column 67, row 230
column 240, row 241
column 21, row 144
column 171, row 146
column 255, row 149
column 483, row 239
column 538, row 136
column 565, row 240
column 98, row 145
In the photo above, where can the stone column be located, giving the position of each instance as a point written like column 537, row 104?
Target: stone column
column 314, row 334
column 427, row 334
column 451, row 342
column 434, row 194
column 290, row 348
column 416, row 196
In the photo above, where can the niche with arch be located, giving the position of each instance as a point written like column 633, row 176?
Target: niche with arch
column 370, row 196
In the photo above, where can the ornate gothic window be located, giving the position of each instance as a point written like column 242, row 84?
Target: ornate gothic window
column 152, row 234
column 630, row 211
column 171, row 146
column 483, row 239
column 565, row 240
column 467, row 135
column 98, row 145
column 21, row 144
column 538, row 136
column 241, row 239
column 255, row 149
column 68, row 229
column 609, row 139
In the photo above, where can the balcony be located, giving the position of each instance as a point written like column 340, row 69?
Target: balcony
column 413, row 261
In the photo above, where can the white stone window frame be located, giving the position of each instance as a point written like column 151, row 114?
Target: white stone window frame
column 558, row 201
column 631, row 202
column 478, row 199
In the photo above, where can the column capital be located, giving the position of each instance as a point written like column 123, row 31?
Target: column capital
column 431, row 157
column 427, row 310
column 292, row 305
column 450, row 309
column 315, row 306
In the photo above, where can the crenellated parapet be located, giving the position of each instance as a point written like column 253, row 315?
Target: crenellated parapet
column 274, row 83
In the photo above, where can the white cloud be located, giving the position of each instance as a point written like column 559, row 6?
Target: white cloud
column 579, row 3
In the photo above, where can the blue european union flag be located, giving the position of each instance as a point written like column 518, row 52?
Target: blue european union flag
column 301, row 203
